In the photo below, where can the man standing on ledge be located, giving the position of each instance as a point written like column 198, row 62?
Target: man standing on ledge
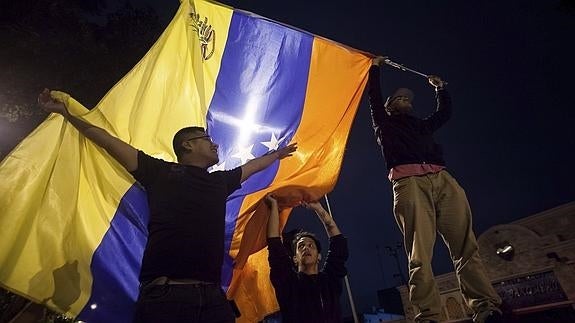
column 181, row 267
column 427, row 199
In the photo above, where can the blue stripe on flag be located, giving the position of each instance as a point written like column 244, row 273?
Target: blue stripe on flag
column 117, row 260
column 260, row 91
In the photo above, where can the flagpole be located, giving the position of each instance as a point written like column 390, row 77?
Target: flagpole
column 403, row 68
column 345, row 279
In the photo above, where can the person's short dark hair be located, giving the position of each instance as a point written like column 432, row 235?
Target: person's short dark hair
column 305, row 234
column 183, row 135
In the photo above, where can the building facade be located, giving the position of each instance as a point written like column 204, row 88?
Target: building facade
column 531, row 263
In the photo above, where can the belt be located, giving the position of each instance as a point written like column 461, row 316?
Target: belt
column 163, row 280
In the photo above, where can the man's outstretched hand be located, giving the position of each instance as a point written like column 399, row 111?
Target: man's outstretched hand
column 48, row 104
column 378, row 60
column 286, row 151
column 436, row 81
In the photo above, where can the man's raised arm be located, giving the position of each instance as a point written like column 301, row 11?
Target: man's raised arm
column 325, row 218
column 257, row 164
column 119, row 150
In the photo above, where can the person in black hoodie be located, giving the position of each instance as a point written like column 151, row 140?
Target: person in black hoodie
column 427, row 199
column 308, row 294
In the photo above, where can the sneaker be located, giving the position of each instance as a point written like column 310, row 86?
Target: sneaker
column 489, row 316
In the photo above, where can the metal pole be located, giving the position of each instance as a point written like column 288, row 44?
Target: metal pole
column 345, row 279
column 405, row 69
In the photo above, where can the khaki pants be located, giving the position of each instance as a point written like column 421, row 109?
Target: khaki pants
column 424, row 205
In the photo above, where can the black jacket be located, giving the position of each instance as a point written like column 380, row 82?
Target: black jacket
column 406, row 139
column 308, row 298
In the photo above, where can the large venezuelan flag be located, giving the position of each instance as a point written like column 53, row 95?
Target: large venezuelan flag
column 73, row 222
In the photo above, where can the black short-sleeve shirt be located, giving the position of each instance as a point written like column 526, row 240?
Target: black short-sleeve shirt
column 187, row 216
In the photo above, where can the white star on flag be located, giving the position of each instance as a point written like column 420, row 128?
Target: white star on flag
column 273, row 144
column 244, row 154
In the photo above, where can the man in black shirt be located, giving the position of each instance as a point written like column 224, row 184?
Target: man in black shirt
column 308, row 295
column 181, row 267
column 427, row 199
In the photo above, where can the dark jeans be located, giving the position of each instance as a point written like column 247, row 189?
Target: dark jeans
column 183, row 303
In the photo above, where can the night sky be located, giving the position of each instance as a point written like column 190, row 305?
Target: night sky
column 510, row 142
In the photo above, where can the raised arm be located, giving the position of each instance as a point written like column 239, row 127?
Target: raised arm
column 337, row 254
column 325, row 218
column 443, row 111
column 280, row 262
column 125, row 154
column 374, row 89
column 274, row 219
column 257, row 164
column 378, row 113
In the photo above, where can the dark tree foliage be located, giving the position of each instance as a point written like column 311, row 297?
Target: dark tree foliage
column 82, row 47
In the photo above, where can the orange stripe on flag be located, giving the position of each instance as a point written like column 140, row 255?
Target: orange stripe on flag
column 336, row 81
